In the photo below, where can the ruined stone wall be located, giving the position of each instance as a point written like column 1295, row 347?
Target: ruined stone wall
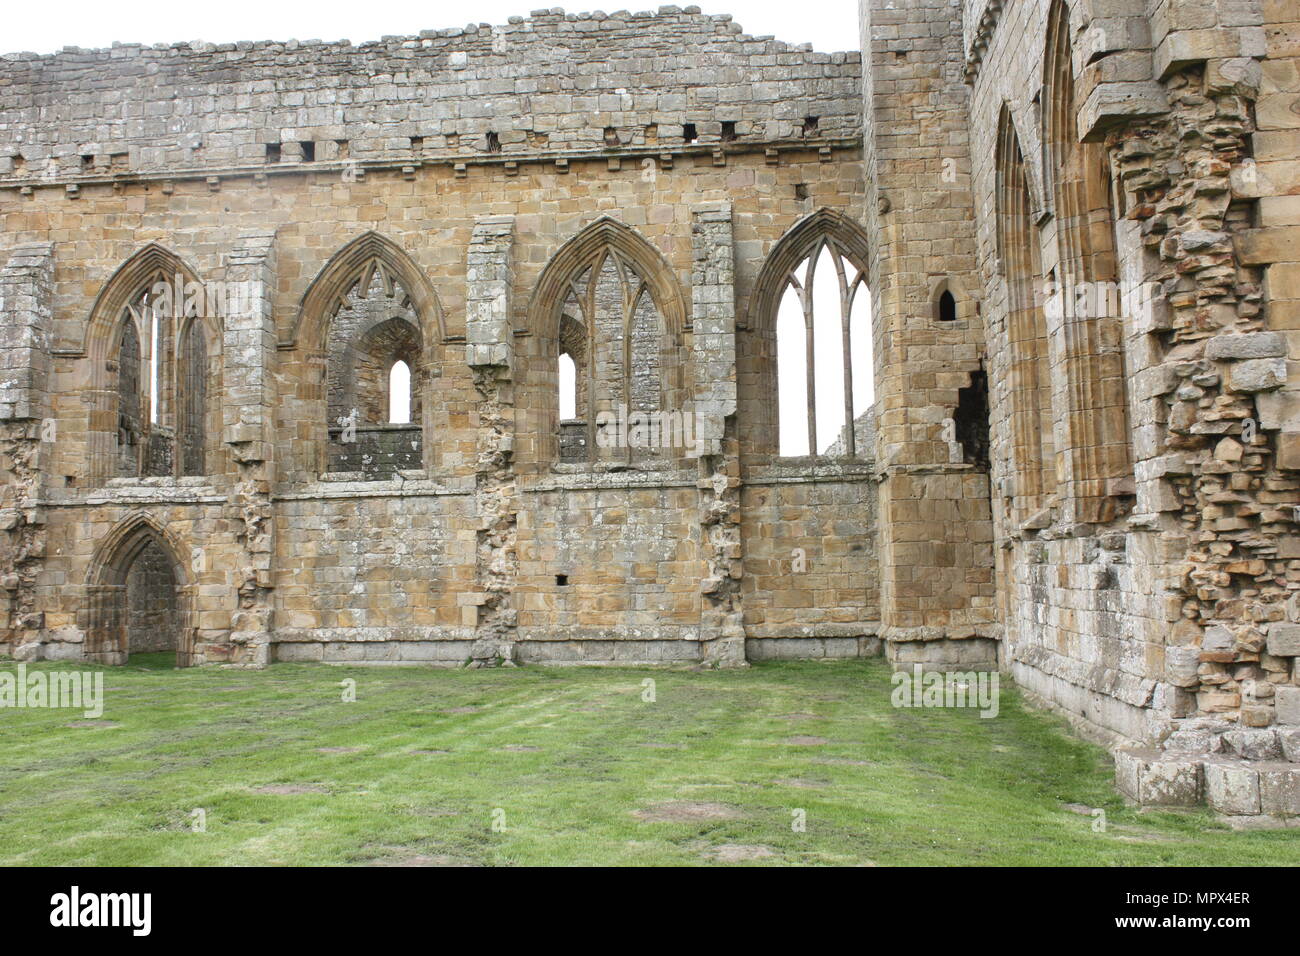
column 1133, row 624
column 1084, row 616
column 551, row 82
column 373, row 571
column 483, row 545
column 610, row 569
column 199, row 541
column 1167, row 621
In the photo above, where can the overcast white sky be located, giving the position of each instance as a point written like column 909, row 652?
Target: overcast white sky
column 46, row 27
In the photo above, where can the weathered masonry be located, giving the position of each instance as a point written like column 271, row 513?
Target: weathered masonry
column 464, row 347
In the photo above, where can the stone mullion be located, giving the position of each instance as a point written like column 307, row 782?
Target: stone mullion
column 629, row 320
column 589, row 372
column 584, row 298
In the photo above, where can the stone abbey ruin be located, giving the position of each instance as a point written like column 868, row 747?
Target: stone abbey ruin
column 285, row 332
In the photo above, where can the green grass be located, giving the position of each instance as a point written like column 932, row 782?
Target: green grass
column 887, row 786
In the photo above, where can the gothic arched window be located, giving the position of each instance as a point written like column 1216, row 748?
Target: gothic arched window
column 1087, row 298
column 373, row 353
column 1033, row 446
column 825, row 382
column 608, row 300
column 155, row 365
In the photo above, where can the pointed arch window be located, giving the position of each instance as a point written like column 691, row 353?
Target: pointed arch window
column 154, row 357
column 824, row 379
column 161, row 382
column 612, row 320
column 613, row 343
column 1098, row 454
column 1033, row 446
column 946, row 307
column 375, row 377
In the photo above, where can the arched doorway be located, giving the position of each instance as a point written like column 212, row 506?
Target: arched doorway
column 139, row 598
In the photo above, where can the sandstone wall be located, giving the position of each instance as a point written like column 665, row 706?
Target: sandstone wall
column 1166, row 622
column 937, row 585
column 284, row 551
column 551, row 82
column 1084, row 611
column 812, row 579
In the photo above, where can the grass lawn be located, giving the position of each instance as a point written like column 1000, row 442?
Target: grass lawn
column 582, row 770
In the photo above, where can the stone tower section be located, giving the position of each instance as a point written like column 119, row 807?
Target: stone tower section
column 936, row 543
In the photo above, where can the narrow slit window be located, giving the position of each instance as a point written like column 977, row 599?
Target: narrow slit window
column 946, row 307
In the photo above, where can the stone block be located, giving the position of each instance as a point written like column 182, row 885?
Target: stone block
column 1170, row 783
column 1181, row 664
column 1286, row 700
column 1289, row 738
column 1231, row 787
column 1253, row 345
column 1128, row 770
column 1192, row 741
column 1155, row 779
column 1253, row 744
column 1218, row 638
column 1284, row 639
column 1279, row 790
column 1288, row 451
column 1279, row 410
column 1258, row 375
